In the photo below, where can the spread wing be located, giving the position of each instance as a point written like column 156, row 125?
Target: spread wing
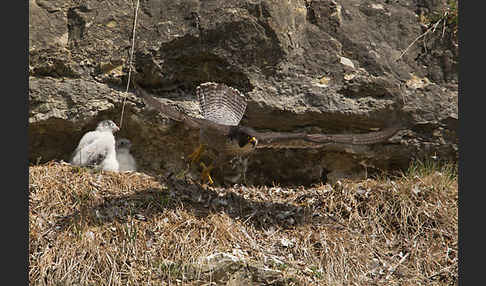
column 304, row 140
column 355, row 139
column 175, row 113
column 279, row 140
column 220, row 103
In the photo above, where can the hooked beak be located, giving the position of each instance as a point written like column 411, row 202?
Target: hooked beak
column 116, row 129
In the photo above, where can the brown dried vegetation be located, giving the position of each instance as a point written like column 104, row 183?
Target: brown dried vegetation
column 90, row 228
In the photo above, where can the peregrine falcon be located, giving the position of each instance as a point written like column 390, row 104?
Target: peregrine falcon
column 222, row 108
column 123, row 156
column 97, row 148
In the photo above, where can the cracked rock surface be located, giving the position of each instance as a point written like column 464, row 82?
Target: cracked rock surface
column 317, row 66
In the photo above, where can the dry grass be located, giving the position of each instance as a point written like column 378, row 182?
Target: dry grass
column 89, row 228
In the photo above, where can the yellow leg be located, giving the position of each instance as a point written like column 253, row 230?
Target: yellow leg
column 196, row 155
column 205, row 175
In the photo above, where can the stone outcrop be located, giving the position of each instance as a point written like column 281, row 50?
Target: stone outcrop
column 317, row 66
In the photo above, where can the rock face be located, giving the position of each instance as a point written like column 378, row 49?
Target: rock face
column 319, row 66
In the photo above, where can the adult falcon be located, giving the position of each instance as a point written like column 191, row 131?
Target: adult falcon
column 222, row 108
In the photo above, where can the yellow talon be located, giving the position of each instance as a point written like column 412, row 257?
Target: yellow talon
column 205, row 175
column 196, row 155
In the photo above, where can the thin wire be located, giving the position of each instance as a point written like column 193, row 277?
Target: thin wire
column 130, row 63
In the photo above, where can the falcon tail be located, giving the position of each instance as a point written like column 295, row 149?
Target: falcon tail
column 220, row 103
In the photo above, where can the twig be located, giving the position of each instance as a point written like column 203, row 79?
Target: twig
column 441, row 271
column 444, row 25
column 418, row 38
column 130, row 63
column 396, row 266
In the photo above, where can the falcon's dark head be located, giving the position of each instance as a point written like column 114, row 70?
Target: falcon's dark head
column 107, row 125
column 243, row 136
